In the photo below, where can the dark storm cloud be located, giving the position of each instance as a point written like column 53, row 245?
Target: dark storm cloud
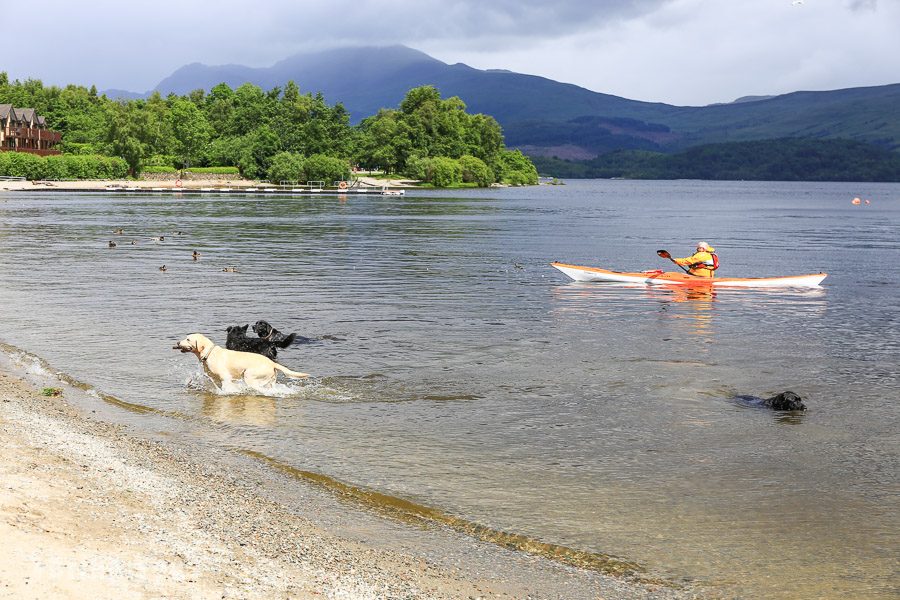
column 682, row 51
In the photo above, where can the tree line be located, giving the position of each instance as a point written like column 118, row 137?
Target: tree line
column 279, row 134
column 787, row 159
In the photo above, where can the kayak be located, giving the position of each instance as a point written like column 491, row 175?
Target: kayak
column 660, row 277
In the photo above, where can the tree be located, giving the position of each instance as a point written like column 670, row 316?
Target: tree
column 286, row 166
column 190, row 130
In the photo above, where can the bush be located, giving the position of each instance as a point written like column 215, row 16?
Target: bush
column 56, row 167
column 474, row 170
column 286, row 166
column 159, row 169
column 61, row 166
column 445, row 171
column 21, row 164
column 517, row 169
column 320, row 167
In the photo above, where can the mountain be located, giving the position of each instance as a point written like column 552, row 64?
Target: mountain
column 546, row 117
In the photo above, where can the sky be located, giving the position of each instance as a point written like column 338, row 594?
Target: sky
column 684, row 52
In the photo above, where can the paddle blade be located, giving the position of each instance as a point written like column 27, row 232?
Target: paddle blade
column 664, row 253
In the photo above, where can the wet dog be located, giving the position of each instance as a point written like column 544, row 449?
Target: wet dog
column 239, row 340
column 785, row 401
column 267, row 332
column 227, row 367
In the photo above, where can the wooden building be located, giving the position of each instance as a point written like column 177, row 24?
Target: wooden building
column 23, row 130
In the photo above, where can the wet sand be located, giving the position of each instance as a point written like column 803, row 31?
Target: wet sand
column 88, row 510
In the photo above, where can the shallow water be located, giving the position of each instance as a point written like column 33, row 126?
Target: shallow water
column 457, row 370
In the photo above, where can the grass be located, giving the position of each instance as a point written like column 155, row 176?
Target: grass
column 51, row 392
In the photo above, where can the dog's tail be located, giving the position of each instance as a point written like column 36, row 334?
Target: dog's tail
column 286, row 341
column 289, row 373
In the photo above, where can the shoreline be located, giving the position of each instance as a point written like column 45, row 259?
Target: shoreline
column 94, row 185
column 88, row 509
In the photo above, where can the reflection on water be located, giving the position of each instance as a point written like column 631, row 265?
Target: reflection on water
column 240, row 410
column 456, row 370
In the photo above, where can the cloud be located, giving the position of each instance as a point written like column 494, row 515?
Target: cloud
column 678, row 51
column 863, row 4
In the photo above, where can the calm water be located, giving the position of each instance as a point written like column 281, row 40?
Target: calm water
column 457, row 369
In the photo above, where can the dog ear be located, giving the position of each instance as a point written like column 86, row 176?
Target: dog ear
column 244, row 328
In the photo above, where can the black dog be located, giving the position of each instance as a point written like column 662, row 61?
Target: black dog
column 785, row 401
column 237, row 340
column 269, row 333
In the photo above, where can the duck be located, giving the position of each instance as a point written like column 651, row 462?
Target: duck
column 134, row 242
column 163, row 268
column 230, row 270
column 112, row 244
column 161, row 238
column 118, row 231
column 195, row 255
column 178, row 233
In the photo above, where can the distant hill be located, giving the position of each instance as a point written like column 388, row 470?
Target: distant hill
column 546, row 117
column 788, row 159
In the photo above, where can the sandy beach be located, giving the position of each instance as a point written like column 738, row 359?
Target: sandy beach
column 88, row 185
column 89, row 511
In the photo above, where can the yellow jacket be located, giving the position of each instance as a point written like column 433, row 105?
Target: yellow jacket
column 700, row 263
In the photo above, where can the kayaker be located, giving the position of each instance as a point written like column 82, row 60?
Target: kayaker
column 703, row 263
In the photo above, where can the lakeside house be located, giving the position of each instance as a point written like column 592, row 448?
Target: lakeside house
column 23, row 130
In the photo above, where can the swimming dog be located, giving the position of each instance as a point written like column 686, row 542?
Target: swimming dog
column 239, row 340
column 227, row 367
column 267, row 332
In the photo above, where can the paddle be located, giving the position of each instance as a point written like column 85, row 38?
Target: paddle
column 665, row 254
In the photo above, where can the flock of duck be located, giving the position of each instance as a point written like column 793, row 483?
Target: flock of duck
column 161, row 238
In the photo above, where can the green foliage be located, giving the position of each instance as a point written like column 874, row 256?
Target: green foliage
column 320, row 167
column 245, row 129
column 475, row 171
column 63, row 166
column 446, row 172
column 427, row 126
column 286, row 166
column 517, row 169
column 215, row 170
column 789, row 159
column 159, row 169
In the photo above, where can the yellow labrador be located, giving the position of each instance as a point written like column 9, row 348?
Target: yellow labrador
column 229, row 366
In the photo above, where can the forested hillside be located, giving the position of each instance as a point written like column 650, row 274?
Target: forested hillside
column 299, row 134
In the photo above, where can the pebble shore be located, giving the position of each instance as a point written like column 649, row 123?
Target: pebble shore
column 88, row 510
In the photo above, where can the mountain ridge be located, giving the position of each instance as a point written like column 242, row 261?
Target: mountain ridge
column 366, row 79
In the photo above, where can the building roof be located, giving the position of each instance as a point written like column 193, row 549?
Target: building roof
column 5, row 110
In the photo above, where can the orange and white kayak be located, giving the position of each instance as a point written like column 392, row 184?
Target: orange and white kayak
column 660, row 277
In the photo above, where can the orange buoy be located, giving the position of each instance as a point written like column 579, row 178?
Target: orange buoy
column 177, row 183
column 343, row 185
column 856, row 201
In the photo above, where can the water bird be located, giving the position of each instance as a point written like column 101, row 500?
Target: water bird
column 112, row 244
column 519, row 266
column 161, row 238
column 178, row 232
column 134, row 242
column 797, row 2
column 163, row 268
column 195, row 255
column 118, row 231
column 230, row 270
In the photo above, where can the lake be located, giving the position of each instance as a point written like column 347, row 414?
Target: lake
column 456, row 369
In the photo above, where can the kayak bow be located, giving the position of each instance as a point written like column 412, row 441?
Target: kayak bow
column 658, row 277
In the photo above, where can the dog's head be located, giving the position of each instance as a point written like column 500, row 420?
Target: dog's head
column 196, row 343
column 236, row 331
column 263, row 329
column 787, row 401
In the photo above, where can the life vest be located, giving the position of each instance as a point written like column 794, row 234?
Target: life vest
column 711, row 265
